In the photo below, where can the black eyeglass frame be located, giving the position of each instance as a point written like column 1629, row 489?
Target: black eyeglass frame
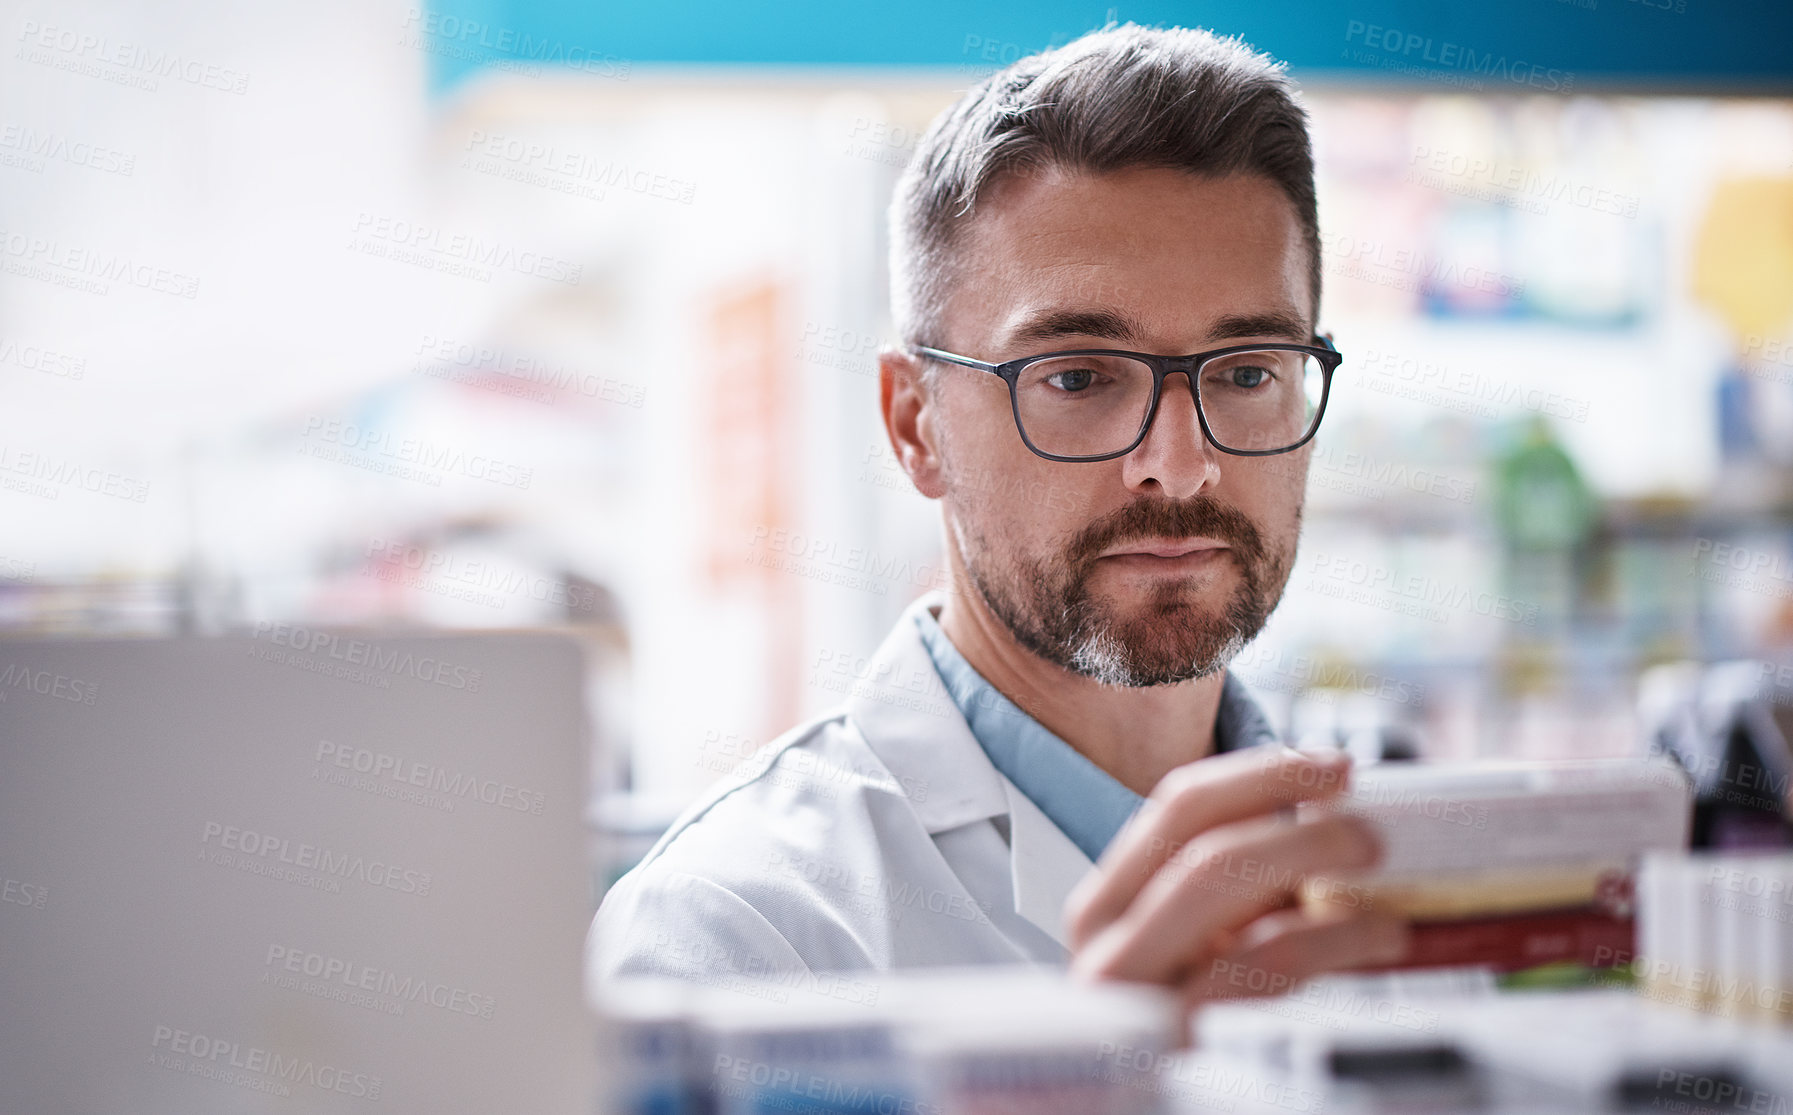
column 1329, row 357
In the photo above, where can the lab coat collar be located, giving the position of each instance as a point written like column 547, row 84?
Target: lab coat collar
column 910, row 722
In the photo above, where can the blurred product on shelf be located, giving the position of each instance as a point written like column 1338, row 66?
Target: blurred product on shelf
column 948, row 1040
column 1728, row 725
column 1383, row 1044
column 1025, row 1040
column 1744, row 275
column 1541, row 501
column 1715, row 933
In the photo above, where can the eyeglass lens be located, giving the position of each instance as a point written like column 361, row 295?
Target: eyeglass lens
column 1090, row 406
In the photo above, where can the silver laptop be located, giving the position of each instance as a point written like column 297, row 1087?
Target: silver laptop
column 297, row 870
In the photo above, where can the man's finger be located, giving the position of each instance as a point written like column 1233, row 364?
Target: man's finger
column 1218, row 884
column 1187, row 802
column 1280, row 950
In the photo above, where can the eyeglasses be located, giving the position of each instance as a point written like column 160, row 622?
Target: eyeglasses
column 1095, row 404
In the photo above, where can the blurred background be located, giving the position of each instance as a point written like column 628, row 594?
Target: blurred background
column 500, row 313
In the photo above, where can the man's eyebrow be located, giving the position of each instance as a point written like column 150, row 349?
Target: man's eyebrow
column 1048, row 325
column 1285, row 324
column 1115, row 325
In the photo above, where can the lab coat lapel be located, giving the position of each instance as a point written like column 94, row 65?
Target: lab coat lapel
column 910, row 722
column 1045, row 862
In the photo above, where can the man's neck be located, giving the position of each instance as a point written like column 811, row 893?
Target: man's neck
column 1137, row 735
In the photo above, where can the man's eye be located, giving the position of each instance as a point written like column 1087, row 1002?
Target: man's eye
column 1248, row 376
column 1076, row 379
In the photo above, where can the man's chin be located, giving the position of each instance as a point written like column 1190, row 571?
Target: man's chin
column 1167, row 641
column 1143, row 664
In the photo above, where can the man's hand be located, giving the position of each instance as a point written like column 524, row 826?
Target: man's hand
column 1196, row 892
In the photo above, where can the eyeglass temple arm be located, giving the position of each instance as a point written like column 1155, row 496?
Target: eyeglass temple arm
column 952, row 358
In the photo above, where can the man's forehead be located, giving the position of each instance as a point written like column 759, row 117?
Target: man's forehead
column 1132, row 256
column 1054, row 201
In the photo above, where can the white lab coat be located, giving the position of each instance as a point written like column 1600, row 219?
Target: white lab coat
column 877, row 837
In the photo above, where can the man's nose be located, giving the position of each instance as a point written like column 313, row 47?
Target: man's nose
column 1175, row 455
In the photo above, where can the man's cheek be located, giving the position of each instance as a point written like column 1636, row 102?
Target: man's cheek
column 1284, row 492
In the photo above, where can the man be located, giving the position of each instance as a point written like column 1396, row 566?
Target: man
column 1049, row 763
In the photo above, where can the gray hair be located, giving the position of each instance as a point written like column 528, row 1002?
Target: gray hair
column 1127, row 96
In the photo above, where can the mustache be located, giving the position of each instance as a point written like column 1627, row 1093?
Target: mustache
column 1146, row 517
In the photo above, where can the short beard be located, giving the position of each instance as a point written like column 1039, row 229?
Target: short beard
column 1048, row 607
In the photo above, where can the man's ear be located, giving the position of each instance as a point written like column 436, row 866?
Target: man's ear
column 910, row 420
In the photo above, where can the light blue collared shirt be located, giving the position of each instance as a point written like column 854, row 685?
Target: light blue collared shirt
column 1081, row 798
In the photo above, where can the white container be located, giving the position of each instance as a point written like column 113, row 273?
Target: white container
column 995, row 1041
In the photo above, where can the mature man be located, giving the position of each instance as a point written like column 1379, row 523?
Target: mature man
column 1105, row 269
